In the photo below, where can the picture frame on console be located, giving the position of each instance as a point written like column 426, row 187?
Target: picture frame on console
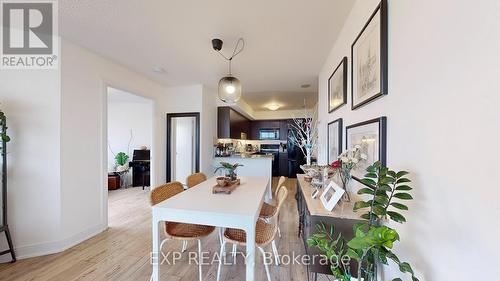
column 334, row 142
column 369, row 59
column 371, row 136
column 337, row 87
column 331, row 196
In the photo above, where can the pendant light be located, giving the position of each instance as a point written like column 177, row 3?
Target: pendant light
column 229, row 86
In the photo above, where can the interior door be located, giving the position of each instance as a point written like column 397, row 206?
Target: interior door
column 183, row 145
column 184, row 152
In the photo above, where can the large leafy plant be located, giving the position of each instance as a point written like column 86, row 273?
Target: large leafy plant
column 372, row 242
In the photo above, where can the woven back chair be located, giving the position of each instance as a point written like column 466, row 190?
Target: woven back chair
column 195, row 179
column 281, row 181
column 164, row 192
column 264, row 235
column 180, row 231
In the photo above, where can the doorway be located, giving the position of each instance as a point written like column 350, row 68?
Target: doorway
column 183, row 145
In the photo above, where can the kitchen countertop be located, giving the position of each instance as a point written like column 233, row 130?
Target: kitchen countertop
column 248, row 156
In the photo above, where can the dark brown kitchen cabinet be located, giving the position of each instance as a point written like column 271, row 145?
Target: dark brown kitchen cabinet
column 231, row 124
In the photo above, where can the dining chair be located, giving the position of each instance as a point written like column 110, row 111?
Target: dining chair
column 266, row 212
column 195, row 179
column 180, row 231
column 265, row 235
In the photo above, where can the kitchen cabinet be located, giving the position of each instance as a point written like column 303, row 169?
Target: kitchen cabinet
column 231, row 124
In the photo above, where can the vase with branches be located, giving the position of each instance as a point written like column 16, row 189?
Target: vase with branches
column 304, row 133
column 373, row 242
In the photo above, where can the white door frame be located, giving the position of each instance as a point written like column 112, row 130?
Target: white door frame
column 104, row 144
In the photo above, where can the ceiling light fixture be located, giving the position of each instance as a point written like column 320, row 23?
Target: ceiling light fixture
column 229, row 86
column 159, row 69
column 273, row 107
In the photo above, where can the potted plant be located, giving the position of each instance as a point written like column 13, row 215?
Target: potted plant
column 373, row 242
column 230, row 170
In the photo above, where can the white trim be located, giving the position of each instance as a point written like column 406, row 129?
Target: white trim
column 48, row 248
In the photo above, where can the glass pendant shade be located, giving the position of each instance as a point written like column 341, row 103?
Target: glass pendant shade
column 229, row 89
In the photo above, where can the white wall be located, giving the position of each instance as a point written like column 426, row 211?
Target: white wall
column 31, row 101
column 209, row 129
column 442, row 125
column 128, row 113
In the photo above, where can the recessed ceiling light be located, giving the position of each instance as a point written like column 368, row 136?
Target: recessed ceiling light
column 159, row 69
column 304, row 86
column 273, row 107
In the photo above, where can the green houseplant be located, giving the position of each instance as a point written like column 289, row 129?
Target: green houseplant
column 230, row 169
column 372, row 242
column 3, row 134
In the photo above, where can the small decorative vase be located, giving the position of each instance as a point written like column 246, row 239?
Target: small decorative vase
column 345, row 177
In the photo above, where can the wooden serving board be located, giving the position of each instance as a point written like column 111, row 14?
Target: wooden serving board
column 226, row 189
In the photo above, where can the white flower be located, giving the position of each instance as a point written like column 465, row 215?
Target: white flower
column 355, row 161
column 364, row 156
column 344, row 159
column 357, row 146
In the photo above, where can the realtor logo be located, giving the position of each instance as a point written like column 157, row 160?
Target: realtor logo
column 29, row 37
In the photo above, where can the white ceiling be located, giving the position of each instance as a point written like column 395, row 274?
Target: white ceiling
column 286, row 41
column 116, row 95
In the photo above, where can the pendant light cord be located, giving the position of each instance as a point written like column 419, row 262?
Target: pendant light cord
column 237, row 50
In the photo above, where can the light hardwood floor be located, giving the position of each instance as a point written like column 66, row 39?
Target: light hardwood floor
column 122, row 251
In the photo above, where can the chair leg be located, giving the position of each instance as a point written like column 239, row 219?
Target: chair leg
column 266, row 266
column 220, row 235
column 275, row 253
column 161, row 247
column 234, row 253
column 200, row 260
column 184, row 246
column 222, row 250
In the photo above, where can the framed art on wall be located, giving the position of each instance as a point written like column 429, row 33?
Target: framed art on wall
column 337, row 86
column 371, row 136
column 369, row 59
column 334, row 140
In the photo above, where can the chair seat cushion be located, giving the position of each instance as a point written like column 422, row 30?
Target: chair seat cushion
column 186, row 230
column 267, row 210
column 264, row 234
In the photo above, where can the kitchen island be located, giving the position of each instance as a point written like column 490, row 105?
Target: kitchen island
column 254, row 165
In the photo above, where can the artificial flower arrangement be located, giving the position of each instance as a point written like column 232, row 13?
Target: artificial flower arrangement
column 345, row 163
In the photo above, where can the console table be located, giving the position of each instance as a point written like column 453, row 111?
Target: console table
column 312, row 212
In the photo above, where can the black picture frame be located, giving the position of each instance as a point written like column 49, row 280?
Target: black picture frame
column 196, row 115
column 382, row 139
column 382, row 7
column 342, row 64
column 340, row 131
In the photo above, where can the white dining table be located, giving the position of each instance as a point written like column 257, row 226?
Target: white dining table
column 198, row 205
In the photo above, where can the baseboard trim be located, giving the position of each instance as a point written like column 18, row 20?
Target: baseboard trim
column 43, row 249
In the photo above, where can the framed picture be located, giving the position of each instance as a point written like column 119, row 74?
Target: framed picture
column 371, row 136
column 334, row 140
column 331, row 196
column 337, row 86
column 369, row 59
